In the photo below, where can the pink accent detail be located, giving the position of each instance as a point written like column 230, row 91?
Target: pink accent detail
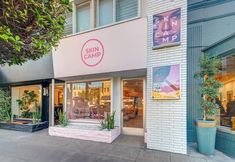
column 92, row 65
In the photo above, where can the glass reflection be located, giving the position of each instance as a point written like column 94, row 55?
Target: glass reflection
column 89, row 100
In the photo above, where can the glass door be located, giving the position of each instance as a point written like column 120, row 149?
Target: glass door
column 133, row 106
column 58, row 101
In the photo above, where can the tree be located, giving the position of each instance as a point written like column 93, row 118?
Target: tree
column 29, row 29
column 209, row 89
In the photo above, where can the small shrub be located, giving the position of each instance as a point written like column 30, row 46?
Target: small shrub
column 108, row 123
column 37, row 115
column 63, row 121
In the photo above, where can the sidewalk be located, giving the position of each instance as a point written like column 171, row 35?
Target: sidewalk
column 40, row 147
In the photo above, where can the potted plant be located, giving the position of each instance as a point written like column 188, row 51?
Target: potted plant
column 209, row 90
column 108, row 122
column 63, row 120
column 29, row 98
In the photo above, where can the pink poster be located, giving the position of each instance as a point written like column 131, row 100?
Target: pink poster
column 166, row 82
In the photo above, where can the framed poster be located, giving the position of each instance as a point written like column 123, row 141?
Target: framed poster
column 166, row 82
column 167, row 28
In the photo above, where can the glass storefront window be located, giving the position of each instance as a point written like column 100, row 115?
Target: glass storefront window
column 25, row 100
column 226, row 99
column 88, row 100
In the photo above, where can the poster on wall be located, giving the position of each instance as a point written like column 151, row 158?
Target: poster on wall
column 166, row 82
column 166, row 28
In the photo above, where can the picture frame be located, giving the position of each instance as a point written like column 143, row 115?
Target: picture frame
column 166, row 82
column 167, row 29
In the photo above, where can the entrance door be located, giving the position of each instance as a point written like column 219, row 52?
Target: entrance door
column 58, row 101
column 133, row 106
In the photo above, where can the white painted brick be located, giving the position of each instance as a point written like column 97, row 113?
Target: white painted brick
column 166, row 120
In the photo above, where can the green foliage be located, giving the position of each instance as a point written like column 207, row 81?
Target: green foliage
column 37, row 115
column 5, row 105
column 30, row 28
column 209, row 90
column 108, row 123
column 63, row 121
column 28, row 98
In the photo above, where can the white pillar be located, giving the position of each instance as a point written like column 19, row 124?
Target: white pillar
column 52, row 102
column 65, row 97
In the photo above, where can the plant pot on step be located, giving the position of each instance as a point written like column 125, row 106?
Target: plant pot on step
column 206, row 133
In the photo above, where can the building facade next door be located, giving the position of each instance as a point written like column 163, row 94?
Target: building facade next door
column 133, row 98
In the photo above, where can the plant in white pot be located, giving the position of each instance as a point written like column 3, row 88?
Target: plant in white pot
column 209, row 90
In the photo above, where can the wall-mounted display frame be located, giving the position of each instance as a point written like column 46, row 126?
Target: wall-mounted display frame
column 167, row 28
column 166, row 82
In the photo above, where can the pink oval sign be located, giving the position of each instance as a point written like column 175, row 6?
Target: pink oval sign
column 92, row 52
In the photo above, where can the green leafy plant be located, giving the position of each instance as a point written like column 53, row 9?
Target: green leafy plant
column 209, row 88
column 30, row 28
column 5, row 105
column 37, row 115
column 63, row 121
column 108, row 122
column 28, row 98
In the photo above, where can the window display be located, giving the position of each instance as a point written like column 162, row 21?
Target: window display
column 25, row 101
column 88, row 100
column 226, row 99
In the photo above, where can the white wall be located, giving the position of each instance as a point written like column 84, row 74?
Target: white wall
column 15, row 92
column 116, row 99
column 124, row 49
column 166, row 120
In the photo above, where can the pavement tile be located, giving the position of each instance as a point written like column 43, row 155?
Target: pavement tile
column 11, row 159
column 99, row 148
column 110, row 159
column 40, row 147
column 131, row 141
column 153, row 156
column 128, row 153
column 80, row 157
column 185, row 158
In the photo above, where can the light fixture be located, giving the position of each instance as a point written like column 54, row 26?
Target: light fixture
column 45, row 91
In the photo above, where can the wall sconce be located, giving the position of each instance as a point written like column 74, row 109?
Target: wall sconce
column 45, row 91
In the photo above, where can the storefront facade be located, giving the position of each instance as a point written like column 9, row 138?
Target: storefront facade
column 105, row 73
column 109, row 69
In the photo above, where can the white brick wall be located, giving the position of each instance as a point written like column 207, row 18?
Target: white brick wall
column 166, row 120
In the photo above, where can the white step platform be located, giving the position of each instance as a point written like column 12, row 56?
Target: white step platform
column 85, row 131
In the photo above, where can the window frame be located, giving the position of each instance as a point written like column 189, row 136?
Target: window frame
column 94, row 22
column 75, row 8
column 84, row 81
column 97, row 14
